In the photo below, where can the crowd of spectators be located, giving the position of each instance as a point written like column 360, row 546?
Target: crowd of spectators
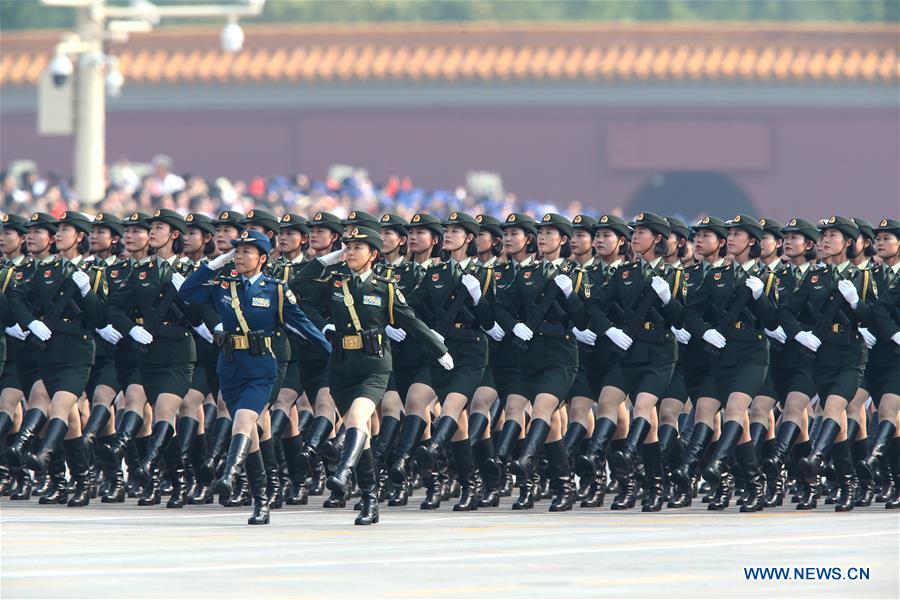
column 146, row 187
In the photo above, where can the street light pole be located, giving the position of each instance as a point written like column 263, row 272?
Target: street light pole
column 90, row 107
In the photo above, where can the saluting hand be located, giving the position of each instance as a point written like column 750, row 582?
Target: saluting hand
column 220, row 261
column 83, row 282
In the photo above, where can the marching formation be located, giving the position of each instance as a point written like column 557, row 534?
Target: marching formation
column 255, row 360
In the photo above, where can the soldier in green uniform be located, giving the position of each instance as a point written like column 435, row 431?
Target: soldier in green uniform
column 883, row 368
column 457, row 296
column 412, row 368
column 836, row 297
column 541, row 304
column 358, row 371
column 612, row 238
column 710, row 237
column 640, row 301
column 313, row 296
column 61, row 310
column 292, row 413
column 485, row 408
column 166, row 351
column 790, row 371
column 739, row 301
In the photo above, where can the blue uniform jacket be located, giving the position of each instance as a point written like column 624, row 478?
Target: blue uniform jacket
column 260, row 303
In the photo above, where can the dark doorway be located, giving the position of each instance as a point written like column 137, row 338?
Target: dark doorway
column 689, row 194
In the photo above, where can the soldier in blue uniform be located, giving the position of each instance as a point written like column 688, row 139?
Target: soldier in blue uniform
column 250, row 306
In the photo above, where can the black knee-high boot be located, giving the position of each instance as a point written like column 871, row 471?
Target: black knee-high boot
column 77, row 457
column 483, row 452
column 865, row 484
column 187, row 433
column 366, row 478
column 654, row 496
column 785, row 436
column 114, row 452
column 728, row 440
column 426, row 454
column 210, row 415
column 574, row 438
column 221, row 433
column 95, row 423
column 387, row 438
column 318, row 432
column 810, row 466
column 667, row 435
column 176, row 468
column 465, row 471
column 534, row 439
column 354, row 442
column 843, row 466
column 58, row 490
column 623, row 461
column 32, row 422
column 256, row 478
column 56, row 431
column 561, row 482
column 410, row 433
column 507, row 439
column 478, row 424
column 6, row 423
column 160, row 437
column 299, row 487
column 588, row 463
column 758, row 433
column 202, row 477
column 280, row 420
column 871, row 465
column 892, row 501
column 237, row 455
column 304, row 421
column 683, row 477
column 273, row 481
column 754, row 479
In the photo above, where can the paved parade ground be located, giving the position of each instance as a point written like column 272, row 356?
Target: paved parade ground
column 104, row 551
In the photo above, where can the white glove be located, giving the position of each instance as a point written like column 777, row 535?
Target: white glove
column 756, row 286
column 715, row 338
column 661, row 288
column 220, row 261
column 140, row 335
column 496, row 332
column 218, row 328
column 109, row 334
column 564, row 284
column 202, row 330
column 848, row 291
column 619, row 338
column 16, row 332
column 332, row 258
column 446, row 361
column 327, row 328
column 395, row 333
column 472, row 286
column 807, row 339
column 778, row 334
column 437, row 335
column 83, row 282
column 586, row 336
column 523, row 332
column 682, row 335
column 40, row 331
column 177, row 280
column 896, row 338
column 868, row 337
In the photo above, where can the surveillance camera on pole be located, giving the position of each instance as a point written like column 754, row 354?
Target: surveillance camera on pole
column 61, row 68
column 232, row 37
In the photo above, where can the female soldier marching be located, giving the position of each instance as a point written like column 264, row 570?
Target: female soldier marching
column 361, row 306
column 250, row 306
column 458, row 295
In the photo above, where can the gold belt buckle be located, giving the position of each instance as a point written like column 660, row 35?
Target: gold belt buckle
column 836, row 327
column 352, row 342
column 139, row 320
column 458, row 325
column 240, row 342
column 648, row 325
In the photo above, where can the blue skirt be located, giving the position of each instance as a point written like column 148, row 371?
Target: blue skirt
column 250, row 393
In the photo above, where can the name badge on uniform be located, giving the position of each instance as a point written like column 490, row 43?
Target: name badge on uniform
column 261, row 302
column 372, row 300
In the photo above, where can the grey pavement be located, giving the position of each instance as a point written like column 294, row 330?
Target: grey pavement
column 106, row 551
